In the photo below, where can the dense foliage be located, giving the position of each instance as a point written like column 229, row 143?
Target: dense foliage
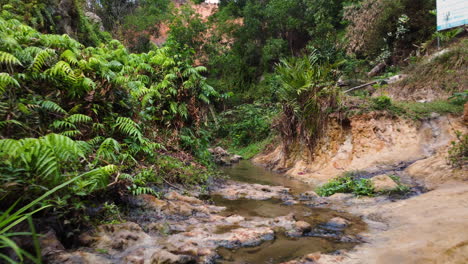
column 270, row 30
column 132, row 21
column 56, row 17
column 382, row 30
column 122, row 120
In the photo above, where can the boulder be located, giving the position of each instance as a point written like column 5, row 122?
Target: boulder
column 235, row 158
column 176, row 196
column 309, row 195
column 50, row 245
column 222, row 157
column 166, row 257
column 337, row 197
column 114, row 237
column 220, row 151
column 383, row 183
column 148, row 202
column 95, row 19
column 224, row 160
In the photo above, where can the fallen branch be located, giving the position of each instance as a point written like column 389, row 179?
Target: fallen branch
column 360, row 86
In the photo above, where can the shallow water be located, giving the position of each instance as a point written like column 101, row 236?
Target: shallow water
column 282, row 248
column 248, row 172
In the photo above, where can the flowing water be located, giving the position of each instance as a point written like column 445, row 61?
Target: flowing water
column 282, row 248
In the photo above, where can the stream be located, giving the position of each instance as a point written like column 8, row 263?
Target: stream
column 283, row 247
column 253, row 217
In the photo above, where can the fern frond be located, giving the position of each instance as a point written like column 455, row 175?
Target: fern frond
column 108, row 150
column 9, row 147
column 52, row 107
column 9, row 59
column 70, row 57
column 70, row 133
column 128, row 127
column 6, row 80
column 61, row 124
column 200, row 69
column 88, row 84
column 41, row 157
column 139, row 190
column 11, row 122
column 95, row 179
column 62, row 69
column 95, row 141
column 42, row 59
column 79, row 118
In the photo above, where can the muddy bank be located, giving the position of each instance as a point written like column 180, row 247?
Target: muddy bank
column 372, row 141
column 430, row 228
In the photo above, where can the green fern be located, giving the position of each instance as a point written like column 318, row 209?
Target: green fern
column 6, row 80
column 71, row 133
column 95, row 141
column 128, row 127
column 61, row 125
column 43, row 58
column 70, row 57
column 62, row 70
column 42, row 157
column 5, row 123
column 78, row 118
column 9, row 60
column 94, row 180
column 52, row 107
column 139, row 190
column 108, row 150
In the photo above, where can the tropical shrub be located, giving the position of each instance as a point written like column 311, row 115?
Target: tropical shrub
column 458, row 152
column 382, row 102
column 308, row 94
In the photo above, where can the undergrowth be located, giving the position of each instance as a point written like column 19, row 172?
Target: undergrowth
column 246, row 129
column 350, row 182
column 458, row 152
column 252, row 149
column 407, row 109
column 444, row 72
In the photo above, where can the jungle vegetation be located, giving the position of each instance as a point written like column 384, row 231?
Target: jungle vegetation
column 91, row 116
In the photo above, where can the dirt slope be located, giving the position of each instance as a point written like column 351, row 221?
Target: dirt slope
column 371, row 141
column 430, row 228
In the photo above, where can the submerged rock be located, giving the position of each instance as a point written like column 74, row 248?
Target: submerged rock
column 336, row 223
column 235, row 190
column 317, row 258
